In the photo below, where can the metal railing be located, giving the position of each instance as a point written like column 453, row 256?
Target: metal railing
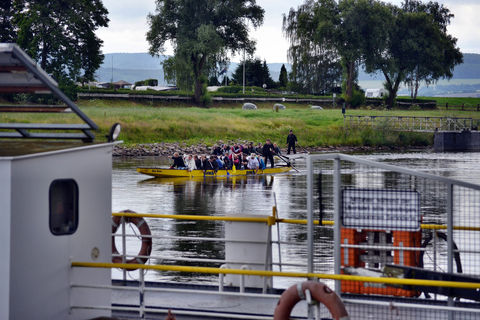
column 406, row 123
column 448, row 207
column 443, row 204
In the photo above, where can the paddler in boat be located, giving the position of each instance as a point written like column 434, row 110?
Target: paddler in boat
column 268, row 152
column 219, row 162
column 253, row 163
column 227, row 163
column 198, row 162
column 178, row 162
column 244, row 160
column 236, row 148
column 190, row 163
column 277, row 150
column 211, row 164
column 260, row 162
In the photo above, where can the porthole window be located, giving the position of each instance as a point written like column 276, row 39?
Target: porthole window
column 63, row 204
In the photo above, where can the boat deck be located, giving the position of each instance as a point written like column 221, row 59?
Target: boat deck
column 192, row 302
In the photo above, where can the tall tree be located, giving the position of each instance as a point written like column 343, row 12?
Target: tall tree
column 283, row 78
column 60, row 35
column 7, row 29
column 325, row 35
column 201, row 30
column 438, row 61
column 414, row 45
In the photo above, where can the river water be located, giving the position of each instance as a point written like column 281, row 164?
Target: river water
column 245, row 195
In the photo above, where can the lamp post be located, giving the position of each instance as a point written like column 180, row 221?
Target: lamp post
column 243, row 71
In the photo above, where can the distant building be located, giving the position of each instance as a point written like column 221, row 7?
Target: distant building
column 376, row 93
column 155, row 88
column 121, row 84
column 103, row 85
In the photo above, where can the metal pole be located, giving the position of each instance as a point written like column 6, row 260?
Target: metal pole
column 310, row 214
column 310, row 224
column 142, row 294
column 278, row 233
column 243, row 71
column 337, row 188
column 450, row 239
column 124, row 248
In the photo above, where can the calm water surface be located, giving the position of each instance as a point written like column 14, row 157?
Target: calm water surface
column 246, row 195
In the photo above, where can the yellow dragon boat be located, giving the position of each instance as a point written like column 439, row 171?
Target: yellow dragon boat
column 169, row 173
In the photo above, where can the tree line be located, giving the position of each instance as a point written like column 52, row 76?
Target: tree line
column 407, row 44
column 329, row 40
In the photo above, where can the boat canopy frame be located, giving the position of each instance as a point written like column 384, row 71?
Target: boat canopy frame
column 20, row 74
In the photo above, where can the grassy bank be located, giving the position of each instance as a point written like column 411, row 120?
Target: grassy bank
column 169, row 123
column 175, row 122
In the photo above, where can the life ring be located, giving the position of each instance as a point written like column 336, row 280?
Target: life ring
column 142, row 226
column 319, row 292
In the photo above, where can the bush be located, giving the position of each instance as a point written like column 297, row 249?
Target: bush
column 239, row 89
column 358, row 98
column 147, row 82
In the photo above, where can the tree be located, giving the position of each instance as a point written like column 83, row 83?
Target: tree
column 7, row 29
column 413, row 46
column 256, row 73
column 439, row 60
column 201, row 31
column 213, row 81
column 283, row 78
column 60, row 35
column 325, row 36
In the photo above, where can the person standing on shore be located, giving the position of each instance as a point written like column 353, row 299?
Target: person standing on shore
column 291, row 141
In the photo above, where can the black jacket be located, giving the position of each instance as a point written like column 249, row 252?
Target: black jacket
column 291, row 139
column 198, row 164
column 268, row 150
column 210, row 165
column 178, row 162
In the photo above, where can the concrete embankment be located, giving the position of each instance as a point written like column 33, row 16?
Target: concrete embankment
column 464, row 141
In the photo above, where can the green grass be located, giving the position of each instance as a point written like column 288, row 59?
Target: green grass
column 144, row 122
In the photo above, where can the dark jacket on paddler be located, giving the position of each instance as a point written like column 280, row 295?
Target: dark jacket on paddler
column 267, row 150
column 178, row 162
column 210, row 165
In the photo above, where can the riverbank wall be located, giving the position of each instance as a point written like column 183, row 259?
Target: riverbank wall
column 454, row 141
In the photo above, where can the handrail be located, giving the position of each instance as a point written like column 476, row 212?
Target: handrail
column 263, row 273
column 267, row 219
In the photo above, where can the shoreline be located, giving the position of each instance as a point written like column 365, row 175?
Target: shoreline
column 163, row 149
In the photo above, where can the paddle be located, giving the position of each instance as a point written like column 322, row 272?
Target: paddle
column 287, row 162
column 302, row 148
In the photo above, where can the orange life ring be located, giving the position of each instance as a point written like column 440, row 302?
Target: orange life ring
column 142, row 226
column 319, row 292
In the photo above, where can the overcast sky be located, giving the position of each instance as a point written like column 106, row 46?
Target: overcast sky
column 128, row 26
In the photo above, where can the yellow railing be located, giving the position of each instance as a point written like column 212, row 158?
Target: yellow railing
column 262, row 273
column 270, row 220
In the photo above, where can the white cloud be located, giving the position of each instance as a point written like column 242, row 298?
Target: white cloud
column 465, row 26
column 128, row 26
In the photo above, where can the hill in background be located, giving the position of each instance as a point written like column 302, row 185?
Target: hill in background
column 133, row 67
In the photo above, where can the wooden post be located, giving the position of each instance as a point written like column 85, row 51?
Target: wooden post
column 446, row 105
column 463, row 105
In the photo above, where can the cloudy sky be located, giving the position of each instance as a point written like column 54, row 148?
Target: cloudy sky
column 128, row 26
